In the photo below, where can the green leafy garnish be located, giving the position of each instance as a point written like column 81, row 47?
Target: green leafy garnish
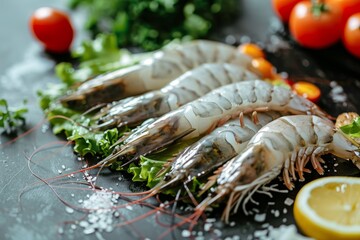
column 352, row 129
column 95, row 57
column 151, row 24
column 147, row 171
column 87, row 142
column 11, row 118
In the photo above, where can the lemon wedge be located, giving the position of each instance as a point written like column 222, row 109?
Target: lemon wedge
column 329, row 208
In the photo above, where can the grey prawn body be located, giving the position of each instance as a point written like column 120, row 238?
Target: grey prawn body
column 153, row 73
column 188, row 87
column 282, row 147
column 214, row 109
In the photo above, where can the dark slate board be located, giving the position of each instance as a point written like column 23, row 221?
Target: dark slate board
column 32, row 211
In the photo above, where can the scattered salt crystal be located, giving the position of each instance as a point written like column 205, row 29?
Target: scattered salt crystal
column 207, row 227
column 211, row 220
column 73, row 226
column 69, row 210
column 286, row 232
column 336, row 164
column 72, row 195
column 236, row 237
column 101, row 212
column 284, row 210
column 260, row 233
column 288, row 201
column 284, row 220
column 255, row 210
column 129, row 208
column 260, row 217
column 89, row 230
column 265, row 225
column 59, row 171
column 276, row 213
column 217, row 232
column 232, row 224
column 230, row 39
column 63, row 167
column 271, row 203
column 80, row 201
column 84, row 224
column 185, row 233
column 61, row 230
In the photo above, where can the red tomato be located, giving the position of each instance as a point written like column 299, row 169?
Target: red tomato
column 348, row 7
column 251, row 50
column 53, row 29
column 283, row 8
column 315, row 25
column 307, row 90
column 351, row 36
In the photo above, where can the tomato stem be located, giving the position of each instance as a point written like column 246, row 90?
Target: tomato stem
column 318, row 7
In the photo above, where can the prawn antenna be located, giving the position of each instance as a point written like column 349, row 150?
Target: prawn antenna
column 96, row 107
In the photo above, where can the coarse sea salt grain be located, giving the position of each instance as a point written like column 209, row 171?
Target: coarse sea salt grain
column 185, row 233
column 69, row 210
column 101, row 213
column 260, row 217
column 288, row 201
column 281, row 233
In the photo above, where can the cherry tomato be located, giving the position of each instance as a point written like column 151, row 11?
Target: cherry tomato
column 315, row 25
column 263, row 67
column 252, row 50
column 283, row 8
column 307, row 90
column 351, row 36
column 52, row 28
column 348, row 7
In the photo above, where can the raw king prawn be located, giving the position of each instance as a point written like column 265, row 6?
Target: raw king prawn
column 212, row 97
column 214, row 109
column 153, row 73
column 284, row 145
column 213, row 150
column 186, row 88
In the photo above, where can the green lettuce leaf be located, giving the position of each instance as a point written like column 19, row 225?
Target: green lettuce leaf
column 95, row 57
column 11, row 118
column 353, row 129
column 147, row 171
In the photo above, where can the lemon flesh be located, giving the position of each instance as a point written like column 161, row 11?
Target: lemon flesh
column 329, row 208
